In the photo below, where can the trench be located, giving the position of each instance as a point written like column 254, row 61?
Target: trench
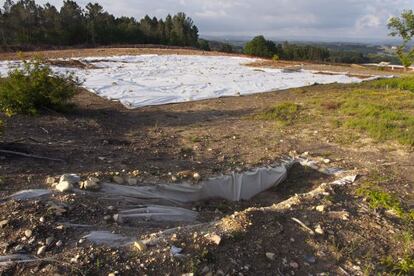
column 138, row 211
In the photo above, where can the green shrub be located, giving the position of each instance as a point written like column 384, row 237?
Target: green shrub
column 34, row 86
column 285, row 113
column 275, row 58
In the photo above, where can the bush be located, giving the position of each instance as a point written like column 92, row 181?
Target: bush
column 33, row 87
column 275, row 58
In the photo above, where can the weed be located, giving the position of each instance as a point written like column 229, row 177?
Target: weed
column 378, row 198
column 402, row 266
column 195, row 139
column 284, row 113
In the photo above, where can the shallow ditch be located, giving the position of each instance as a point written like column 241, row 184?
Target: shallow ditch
column 118, row 215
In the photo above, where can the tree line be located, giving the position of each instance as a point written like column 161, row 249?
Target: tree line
column 25, row 23
column 261, row 47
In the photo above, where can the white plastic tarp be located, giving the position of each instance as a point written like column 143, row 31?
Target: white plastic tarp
column 144, row 80
column 234, row 187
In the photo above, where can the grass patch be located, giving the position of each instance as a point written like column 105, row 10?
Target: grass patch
column 379, row 199
column 285, row 113
column 381, row 120
column 404, row 83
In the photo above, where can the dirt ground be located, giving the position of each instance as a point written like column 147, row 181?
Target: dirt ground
column 210, row 137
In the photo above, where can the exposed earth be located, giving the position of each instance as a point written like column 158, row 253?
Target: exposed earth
column 307, row 225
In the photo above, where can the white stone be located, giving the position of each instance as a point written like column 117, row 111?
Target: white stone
column 319, row 230
column 28, row 233
column 140, row 246
column 270, row 256
column 71, row 178
column 64, row 186
column 320, row 208
column 41, row 250
column 118, row 179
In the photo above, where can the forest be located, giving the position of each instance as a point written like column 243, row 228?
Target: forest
column 26, row 24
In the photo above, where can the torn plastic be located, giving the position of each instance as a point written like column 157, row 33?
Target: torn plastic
column 158, row 213
column 16, row 258
column 108, row 238
column 234, row 187
column 29, row 194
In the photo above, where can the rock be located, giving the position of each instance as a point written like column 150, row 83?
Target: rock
column 49, row 241
column 270, row 256
column 196, row 176
column 185, row 174
column 320, row 208
column 176, row 251
column 4, row 223
column 41, row 250
column 205, row 270
column 294, row 265
column 214, row 238
column 50, row 181
column 75, row 259
column 92, row 184
column 118, row 179
column 326, row 161
column 310, row 259
column 111, row 208
column 42, row 219
column 107, row 218
column 64, row 186
column 59, row 243
column 140, row 246
column 28, row 233
column 132, row 181
column 174, row 178
column 71, row 178
column 117, row 218
column 319, row 230
column 18, row 248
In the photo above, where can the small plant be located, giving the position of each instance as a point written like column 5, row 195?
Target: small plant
column 275, row 58
column 377, row 198
column 285, row 113
column 35, row 86
column 403, row 266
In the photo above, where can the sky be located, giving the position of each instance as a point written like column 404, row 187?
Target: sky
column 328, row 20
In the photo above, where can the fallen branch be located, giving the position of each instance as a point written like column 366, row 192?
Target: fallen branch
column 30, row 155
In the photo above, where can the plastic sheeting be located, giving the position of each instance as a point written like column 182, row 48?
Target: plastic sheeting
column 29, row 194
column 16, row 258
column 158, row 213
column 234, row 187
column 108, row 238
column 145, row 80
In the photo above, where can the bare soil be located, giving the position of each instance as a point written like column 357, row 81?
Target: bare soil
column 210, row 137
